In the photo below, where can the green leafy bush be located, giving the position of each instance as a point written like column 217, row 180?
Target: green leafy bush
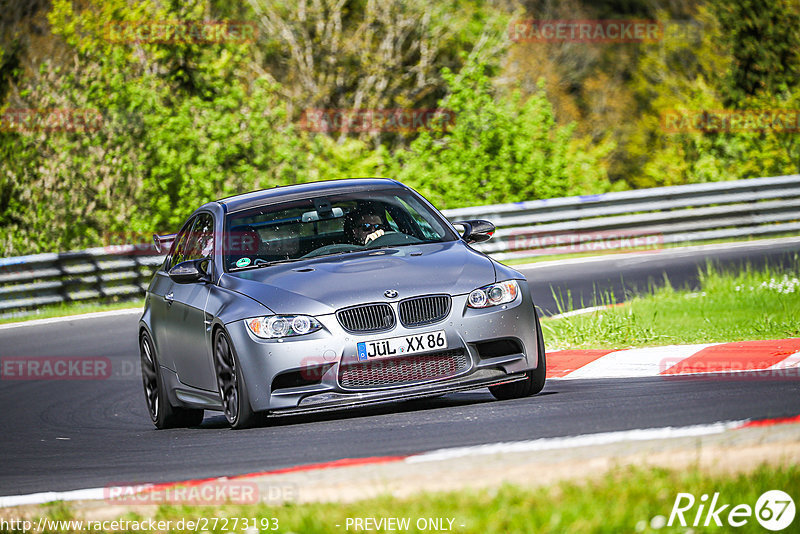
column 497, row 149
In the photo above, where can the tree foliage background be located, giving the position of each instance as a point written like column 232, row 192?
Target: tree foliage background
column 182, row 123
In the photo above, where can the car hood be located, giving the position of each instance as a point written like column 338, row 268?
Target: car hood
column 323, row 285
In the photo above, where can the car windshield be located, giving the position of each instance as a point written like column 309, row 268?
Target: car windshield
column 330, row 224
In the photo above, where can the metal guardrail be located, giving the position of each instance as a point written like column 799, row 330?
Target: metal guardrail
column 649, row 217
column 87, row 275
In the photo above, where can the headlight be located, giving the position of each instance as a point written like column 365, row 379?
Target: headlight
column 499, row 293
column 277, row 326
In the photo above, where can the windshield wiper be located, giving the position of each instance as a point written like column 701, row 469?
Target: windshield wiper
column 330, row 254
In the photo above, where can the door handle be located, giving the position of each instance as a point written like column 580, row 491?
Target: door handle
column 169, row 297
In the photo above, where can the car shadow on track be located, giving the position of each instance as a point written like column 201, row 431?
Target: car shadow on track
column 214, row 420
column 447, row 401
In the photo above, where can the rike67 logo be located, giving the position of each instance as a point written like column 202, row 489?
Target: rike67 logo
column 774, row 510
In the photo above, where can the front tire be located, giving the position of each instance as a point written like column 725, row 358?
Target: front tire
column 534, row 383
column 162, row 413
column 231, row 386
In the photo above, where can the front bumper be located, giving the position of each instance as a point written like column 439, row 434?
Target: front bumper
column 319, row 359
column 322, row 402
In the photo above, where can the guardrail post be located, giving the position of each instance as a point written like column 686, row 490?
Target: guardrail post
column 64, row 286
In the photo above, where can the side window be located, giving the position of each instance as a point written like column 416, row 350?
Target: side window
column 179, row 247
column 200, row 243
column 393, row 226
column 425, row 227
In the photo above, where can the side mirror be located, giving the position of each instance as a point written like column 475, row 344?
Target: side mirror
column 189, row 272
column 476, row 230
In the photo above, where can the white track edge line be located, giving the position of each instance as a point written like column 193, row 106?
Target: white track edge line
column 51, row 320
column 92, row 494
column 581, row 311
column 586, row 440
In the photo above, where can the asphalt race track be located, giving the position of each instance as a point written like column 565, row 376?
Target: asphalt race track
column 60, row 435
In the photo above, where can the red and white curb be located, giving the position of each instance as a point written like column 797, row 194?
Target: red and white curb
column 544, row 444
column 781, row 357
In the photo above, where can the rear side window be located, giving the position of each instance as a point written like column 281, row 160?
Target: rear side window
column 178, row 247
column 196, row 241
column 200, row 244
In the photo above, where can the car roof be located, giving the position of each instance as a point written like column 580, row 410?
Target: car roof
column 297, row 191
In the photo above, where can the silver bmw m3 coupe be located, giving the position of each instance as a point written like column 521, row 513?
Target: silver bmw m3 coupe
column 326, row 296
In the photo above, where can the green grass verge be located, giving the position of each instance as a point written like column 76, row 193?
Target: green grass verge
column 751, row 304
column 626, row 499
column 72, row 308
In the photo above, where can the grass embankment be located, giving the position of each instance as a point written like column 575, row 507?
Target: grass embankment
column 748, row 305
column 623, row 500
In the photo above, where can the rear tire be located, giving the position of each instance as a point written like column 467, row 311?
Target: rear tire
column 162, row 413
column 231, row 386
column 534, row 382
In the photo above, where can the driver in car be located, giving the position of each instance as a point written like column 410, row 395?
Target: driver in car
column 365, row 226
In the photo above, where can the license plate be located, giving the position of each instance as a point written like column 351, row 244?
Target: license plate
column 400, row 346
